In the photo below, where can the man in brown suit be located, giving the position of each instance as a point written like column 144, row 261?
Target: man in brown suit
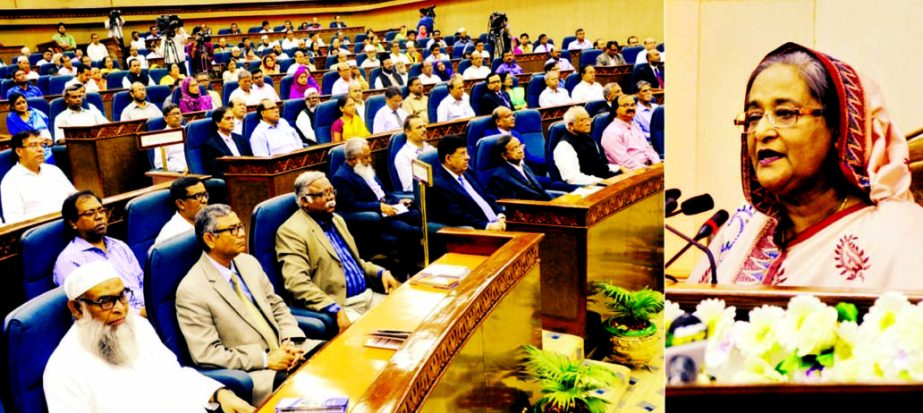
column 320, row 263
column 228, row 311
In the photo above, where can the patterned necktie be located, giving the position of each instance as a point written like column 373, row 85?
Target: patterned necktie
column 262, row 326
column 505, row 102
column 488, row 212
column 400, row 122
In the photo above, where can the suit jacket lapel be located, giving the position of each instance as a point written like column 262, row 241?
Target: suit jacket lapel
column 318, row 233
column 259, row 296
column 531, row 177
column 342, row 229
column 223, row 288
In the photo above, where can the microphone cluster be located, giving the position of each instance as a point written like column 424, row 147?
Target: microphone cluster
column 693, row 206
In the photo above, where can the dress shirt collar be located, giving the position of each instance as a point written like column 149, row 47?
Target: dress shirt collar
column 84, row 245
column 454, row 175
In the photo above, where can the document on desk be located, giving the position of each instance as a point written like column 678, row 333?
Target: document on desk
column 586, row 190
column 441, row 275
column 401, row 208
column 313, row 404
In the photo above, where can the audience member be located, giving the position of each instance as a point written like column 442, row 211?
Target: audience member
column 612, row 55
column 517, row 93
column 32, row 188
column 205, row 82
column 239, row 109
column 495, row 96
column 587, row 89
column 611, row 92
column 136, row 75
column 302, row 82
column 47, row 56
column 543, row 45
column 396, row 54
column 388, row 76
column 632, row 41
column 261, row 88
column 22, row 86
column 350, row 124
column 577, row 156
column 63, row 39
column 188, row 195
column 341, row 86
column 23, row 63
column 581, row 43
column 337, row 23
column 553, row 95
column 651, row 71
column 22, row 118
column 443, row 69
column 355, row 92
column 456, row 199
column 273, row 135
column 649, row 45
column 513, row 178
column 96, row 50
column 504, row 121
column 224, row 142
column 415, row 132
column 525, row 45
column 623, row 141
column 416, row 102
column 191, row 97
column 456, row 105
column 509, row 65
column 427, row 77
column 245, row 90
column 560, row 63
column 81, row 78
column 391, row 116
column 232, row 73
column 176, row 155
column 140, row 108
column 306, row 118
column 173, row 76
column 76, row 114
column 645, row 108
column 477, row 70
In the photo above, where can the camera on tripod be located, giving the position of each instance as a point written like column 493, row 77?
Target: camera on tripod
column 114, row 16
column 167, row 25
column 429, row 11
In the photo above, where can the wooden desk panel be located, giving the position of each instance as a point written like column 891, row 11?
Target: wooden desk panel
column 108, row 157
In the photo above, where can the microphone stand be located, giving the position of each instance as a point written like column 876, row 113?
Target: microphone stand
column 711, row 258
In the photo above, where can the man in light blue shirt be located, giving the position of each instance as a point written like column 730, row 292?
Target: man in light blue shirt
column 273, row 135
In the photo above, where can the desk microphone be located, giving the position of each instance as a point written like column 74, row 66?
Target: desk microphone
column 707, row 229
column 670, row 201
column 694, row 205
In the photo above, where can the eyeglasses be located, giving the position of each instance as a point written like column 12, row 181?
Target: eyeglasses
column 235, row 230
column 780, row 118
column 35, row 145
column 106, row 302
column 200, row 196
column 93, row 212
column 324, row 194
column 628, row 105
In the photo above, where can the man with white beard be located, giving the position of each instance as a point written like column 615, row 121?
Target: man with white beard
column 111, row 360
column 359, row 190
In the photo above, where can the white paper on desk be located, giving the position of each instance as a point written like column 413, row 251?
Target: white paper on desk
column 586, row 190
column 401, row 208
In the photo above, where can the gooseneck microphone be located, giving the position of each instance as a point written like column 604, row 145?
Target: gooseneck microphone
column 694, row 205
column 670, row 200
column 707, row 229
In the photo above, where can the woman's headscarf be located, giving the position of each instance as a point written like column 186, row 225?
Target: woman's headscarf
column 193, row 102
column 446, row 74
column 872, row 154
column 297, row 91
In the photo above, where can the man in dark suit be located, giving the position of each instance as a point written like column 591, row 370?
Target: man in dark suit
column 337, row 23
column 651, row 72
column 456, row 199
column 505, row 120
column 513, row 178
column 359, row 190
column 224, row 142
column 494, row 97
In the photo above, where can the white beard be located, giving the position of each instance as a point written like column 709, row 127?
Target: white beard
column 116, row 345
column 365, row 171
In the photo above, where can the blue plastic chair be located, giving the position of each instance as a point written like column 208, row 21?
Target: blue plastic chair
column 56, row 84
column 657, row 131
column 372, row 105
column 291, row 108
column 588, row 57
column 534, row 90
column 285, row 87
column 145, row 216
column 554, row 136
column 5, row 86
column 327, row 113
column 415, row 70
column 571, row 82
column 529, row 126
column 566, row 42
column 119, row 102
column 474, row 131
column 197, row 132
column 631, row 53
column 327, row 82
column 44, row 82
column 595, row 107
column 226, row 91
column 40, row 248
column 599, row 124
column 486, row 159
column 477, row 92
column 158, row 94
column 157, row 74
column 373, row 76
column 394, row 146
column 7, row 161
column 436, row 95
column 251, row 121
column 114, row 79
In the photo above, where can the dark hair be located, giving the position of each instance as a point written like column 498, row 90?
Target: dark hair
column 407, row 121
column 265, row 23
column 524, row 34
column 411, row 32
column 257, row 70
column 179, row 186
column 578, row 30
column 342, row 101
column 542, row 35
column 434, row 47
column 17, row 140
column 448, row 145
column 611, row 43
column 15, row 96
column 169, row 108
column 72, row 88
column 392, row 92
column 69, row 208
column 82, row 68
column 410, row 81
column 218, row 115
column 502, row 141
column 583, row 69
column 550, row 66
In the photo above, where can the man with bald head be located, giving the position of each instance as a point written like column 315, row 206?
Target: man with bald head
column 651, row 72
column 649, row 45
column 139, row 108
column 341, row 86
column 245, row 90
column 111, row 358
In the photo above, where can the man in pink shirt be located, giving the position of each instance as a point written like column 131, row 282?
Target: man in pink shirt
column 624, row 142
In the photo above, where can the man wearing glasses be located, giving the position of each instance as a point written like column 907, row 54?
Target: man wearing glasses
column 495, row 97
column 188, row 195
column 624, row 142
column 320, row 262
column 87, row 220
column 110, row 359
column 32, row 188
column 228, row 311
column 273, row 135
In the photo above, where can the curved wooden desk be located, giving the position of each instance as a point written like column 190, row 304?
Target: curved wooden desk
column 464, row 340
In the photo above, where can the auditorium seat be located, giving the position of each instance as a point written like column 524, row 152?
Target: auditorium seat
column 599, row 124
column 394, row 146
column 477, row 92
column 661, row 47
column 34, row 58
column 267, row 217
column 197, row 132
column 494, row 64
column 534, row 89
column 157, row 74
column 555, row 132
column 255, row 29
column 373, row 76
column 154, row 124
column 120, row 101
column 5, row 86
column 56, row 84
column 145, row 216
column 7, row 161
column 415, row 70
column 222, row 57
column 458, row 51
column 462, row 65
column 33, row 331
column 330, row 61
column 224, row 31
column 40, row 248
column 251, row 120
column 57, row 106
column 657, row 130
column 360, row 37
column 46, row 70
column 529, row 126
column 588, row 57
column 474, row 131
column 595, row 107
column 286, row 87
column 226, row 91
column 165, row 267
column 631, row 53
column 360, row 55
column 372, row 105
column 390, row 35
column 251, row 66
column 566, row 43
column 487, row 159
column 114, row 79
column 158, row 94
column 327, row 113
column 43, row 84
column 95, row 99
column 436, row 95
column 436, row 247
column 327, row 82
column 6, row 72
column 291, row 108
column 571, row 82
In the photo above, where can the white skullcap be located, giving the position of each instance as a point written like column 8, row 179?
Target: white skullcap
column 351, row 63
column 461, row 29
column 88, row 276
column 370, row 48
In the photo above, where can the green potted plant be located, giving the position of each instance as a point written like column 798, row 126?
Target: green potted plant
column 631, row 331
column 567, row 386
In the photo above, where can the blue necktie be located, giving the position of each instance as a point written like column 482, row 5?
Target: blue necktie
column 488, row 212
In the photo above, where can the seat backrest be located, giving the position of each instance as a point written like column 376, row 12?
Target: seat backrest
column 372, row 105
column 251, row 120
column 114, row 79
column 40, row 104
column 588, row 57
column 595, row 107
column 463, row 64
column 156, row 124
column 458, row 50
column 529, row 126
column 571, row 82
column 661, row 47
column 255, row 29
column 55, row 108
column 32, row 332
column 158, row 94
column 45, row 70
column 631, row 53
column 285, row 87
column 554, row 136
column 119, row 101
column 657, row 131
column 360, row 37
column 394, row 146
column 431, row 158
column 254, row 65
column 474, row 131
column 291, row 108
column 5, row 86
column 327, row 113
column 197, row 132
column 327, row 82
column 7, row 161
column 267, row 217
column 436, row 95
column 534, row 90
column 167, row 265
column 43, row 82
column 336, row 156
column 56, row 84
column 157, row 74
column 494, row 64
column 224, row 31
column 360, row 57
column 390, row 35
column 222, row 57
column 477, row 92
column 600, row 122
column 40, row 249
column 145, row 217
column 487, row 158
column 330, row 61
column 415, row 70
column 226, row 91
column 34, row 58
column 95, row 99
column 373, row 76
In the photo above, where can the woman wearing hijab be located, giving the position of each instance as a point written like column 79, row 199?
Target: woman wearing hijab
column 443, row 70
column 192, row 100
column 303, row 82
column 825, row 175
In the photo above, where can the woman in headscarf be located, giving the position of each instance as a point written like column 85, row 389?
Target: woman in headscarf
column 443, row 70
column 192, row 99
column 303, row 81
column 825, row 175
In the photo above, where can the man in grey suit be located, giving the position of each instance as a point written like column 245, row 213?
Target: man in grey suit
column 228, row 311
column 320, row 263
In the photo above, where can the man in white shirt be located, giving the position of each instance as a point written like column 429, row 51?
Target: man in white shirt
column 427, row 77
column 456, row 105
column 649, row 44
column 133, row 55
column 391, row 116
column 305, row 120
column 341, row 86
column 261, row 88
column 245, row 90
column 81, row 78
column 136, row 41
column 435, row 55
column 66, row 66
column 47, row 56
column 477, row 70
column 176, row 154
column 561, row 63
column 577, row 156
column 587, row 89
column 543, row 45
column 32, row 188
column 139, row 108
column 239, row 109
column 415, row 131
column 396, row 55
column 75, row 114
column 435, row 39
column 389, row 75
column 23, row 64
column 300, row 60
column 553, row 95
column 355, row 92
column 581, row 43
column 290, row 42
column 96, row 50
column 273, row 135
column 111, row 358
column 188, row 195
column 371, row 59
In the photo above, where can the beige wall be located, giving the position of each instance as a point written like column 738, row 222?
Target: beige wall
column 717, row 43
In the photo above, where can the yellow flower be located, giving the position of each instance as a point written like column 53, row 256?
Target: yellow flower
column 759, row 336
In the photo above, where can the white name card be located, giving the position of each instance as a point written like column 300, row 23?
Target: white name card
column 422, row 172
column 156, row 139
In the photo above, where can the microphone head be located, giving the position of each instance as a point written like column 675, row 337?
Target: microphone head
column 711, row 226
column 671, row 200
column 697, row 204
column 673, row 193
column 669, row 206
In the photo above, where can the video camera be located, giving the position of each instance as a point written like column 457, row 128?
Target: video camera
column 497, row 21
column 167, row 25
column 429, row 11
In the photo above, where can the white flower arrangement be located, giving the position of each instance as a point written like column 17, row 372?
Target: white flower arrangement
column 811, row 342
